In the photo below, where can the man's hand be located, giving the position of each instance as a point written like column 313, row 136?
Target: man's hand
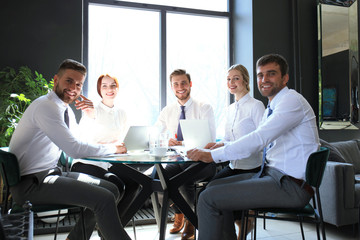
column 121, row 149
column 86, row 105
column 203, row 155
column 174, row 142
column 209, row 145
column 212, row 146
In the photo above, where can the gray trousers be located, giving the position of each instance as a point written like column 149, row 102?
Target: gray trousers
column 242, row 192
column 98, row 196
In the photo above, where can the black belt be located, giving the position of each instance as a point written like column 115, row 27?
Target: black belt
column 303, row 185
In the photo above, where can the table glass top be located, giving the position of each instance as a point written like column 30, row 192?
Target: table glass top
column 141, row 157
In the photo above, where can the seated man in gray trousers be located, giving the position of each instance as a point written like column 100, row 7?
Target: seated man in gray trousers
column 287, row 134
column 44, row 131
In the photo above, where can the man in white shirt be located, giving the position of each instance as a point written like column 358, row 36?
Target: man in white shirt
column 169, row 122
column 288, row 131
column 44, row 131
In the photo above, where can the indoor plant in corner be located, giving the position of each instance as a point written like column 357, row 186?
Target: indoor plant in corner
column 18, row 89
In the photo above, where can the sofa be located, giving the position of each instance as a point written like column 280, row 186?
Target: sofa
column 340, row 188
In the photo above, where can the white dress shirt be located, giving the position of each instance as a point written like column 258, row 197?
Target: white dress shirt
column 290, row 134
column 243, row 117
column 109, row 126
column 168, row 120
column 42, row 134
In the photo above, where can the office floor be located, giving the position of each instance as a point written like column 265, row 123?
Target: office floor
column 276, row 230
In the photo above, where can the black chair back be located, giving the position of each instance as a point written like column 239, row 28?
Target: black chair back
column 315, row 167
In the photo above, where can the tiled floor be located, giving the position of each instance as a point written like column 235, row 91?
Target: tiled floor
column 276, row 230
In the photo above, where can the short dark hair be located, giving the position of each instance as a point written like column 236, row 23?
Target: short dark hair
column 274, row 58
column 178, row 72
column 71, row 64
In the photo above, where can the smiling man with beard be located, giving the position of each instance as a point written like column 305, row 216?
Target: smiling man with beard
column 288, row 134
column 169, row 122
column 45, row 130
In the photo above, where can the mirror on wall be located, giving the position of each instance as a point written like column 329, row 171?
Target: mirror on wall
column 338, row 64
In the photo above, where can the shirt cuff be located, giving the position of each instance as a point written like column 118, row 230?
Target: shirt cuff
column 218, row 155
column 109, row 148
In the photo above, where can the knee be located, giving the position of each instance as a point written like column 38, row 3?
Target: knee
column 117, row 181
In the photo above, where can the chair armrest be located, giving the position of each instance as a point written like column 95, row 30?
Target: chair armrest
column 338, row 185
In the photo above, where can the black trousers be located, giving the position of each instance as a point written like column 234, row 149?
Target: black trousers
column 188, row 189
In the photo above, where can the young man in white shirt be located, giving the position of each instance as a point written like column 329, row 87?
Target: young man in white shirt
column 289, row 133
column 44, row 131
column 169, row 122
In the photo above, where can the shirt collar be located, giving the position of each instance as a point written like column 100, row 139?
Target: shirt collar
column 106, row 108
column 55, row 98
column 187, row 104
column 278, row 97
column 242, row 100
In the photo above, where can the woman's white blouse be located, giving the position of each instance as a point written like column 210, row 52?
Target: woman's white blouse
column 243, row 117
column 109, row 126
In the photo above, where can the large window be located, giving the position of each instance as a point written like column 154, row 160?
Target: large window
column 142, row 44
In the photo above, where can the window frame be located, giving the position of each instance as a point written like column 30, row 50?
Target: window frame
column 163, row 48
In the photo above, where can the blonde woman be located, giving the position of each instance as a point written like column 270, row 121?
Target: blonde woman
column 243, row 117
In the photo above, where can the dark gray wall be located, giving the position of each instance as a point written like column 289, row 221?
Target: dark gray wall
column 40, row 34
column 289, row 28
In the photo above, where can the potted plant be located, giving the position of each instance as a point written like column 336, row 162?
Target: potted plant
column 18, row 89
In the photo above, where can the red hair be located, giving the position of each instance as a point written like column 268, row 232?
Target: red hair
column 99, row 81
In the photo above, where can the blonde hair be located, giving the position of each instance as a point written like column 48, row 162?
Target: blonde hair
column 244, row 72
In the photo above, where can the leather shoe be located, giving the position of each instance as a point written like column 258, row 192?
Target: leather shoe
column 189, row 231
column 178, row 223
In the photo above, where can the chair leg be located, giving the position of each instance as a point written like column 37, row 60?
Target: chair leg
column 83, row 223
column 57, row 224
column 243, row 225
column 255, row 223
column 302, row 229
column 264, row 223
column 133, row 223
column 359, row 224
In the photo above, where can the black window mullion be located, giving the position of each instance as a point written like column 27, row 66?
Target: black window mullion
column 163, row 64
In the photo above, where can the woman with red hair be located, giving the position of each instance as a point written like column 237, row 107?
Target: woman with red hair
column 108, row 125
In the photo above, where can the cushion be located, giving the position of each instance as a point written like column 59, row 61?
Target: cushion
column 350, row 152
column 335, row 155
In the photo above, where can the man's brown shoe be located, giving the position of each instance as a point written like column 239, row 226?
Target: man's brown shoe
column 178, row 223
column 189, row 231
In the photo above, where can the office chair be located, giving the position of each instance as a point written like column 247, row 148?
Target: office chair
column 10, row 173
column 314, row 173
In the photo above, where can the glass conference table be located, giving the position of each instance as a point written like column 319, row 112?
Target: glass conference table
column 169, row 186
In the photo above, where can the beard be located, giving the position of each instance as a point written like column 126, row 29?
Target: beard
column 60, row 93
column 272, row 93
column 183, row 97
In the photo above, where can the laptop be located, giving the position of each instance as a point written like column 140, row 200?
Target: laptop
column 196, row 133
column 137, row 138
